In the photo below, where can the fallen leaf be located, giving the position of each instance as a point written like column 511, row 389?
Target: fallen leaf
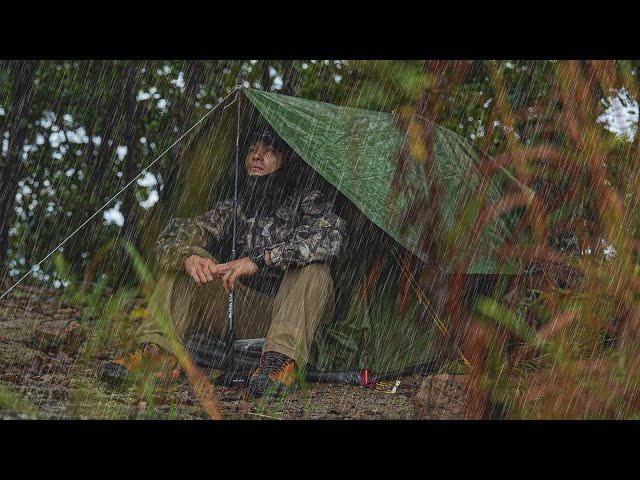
column 139, row 313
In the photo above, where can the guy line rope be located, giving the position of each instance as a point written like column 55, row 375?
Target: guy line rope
column 235, row 89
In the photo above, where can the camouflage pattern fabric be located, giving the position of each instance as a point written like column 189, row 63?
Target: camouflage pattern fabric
column 302, row 230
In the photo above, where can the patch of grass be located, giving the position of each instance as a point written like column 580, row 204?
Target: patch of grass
column 14, row 401
column 454, row 367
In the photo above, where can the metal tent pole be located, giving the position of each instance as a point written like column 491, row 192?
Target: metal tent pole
column 229, row 337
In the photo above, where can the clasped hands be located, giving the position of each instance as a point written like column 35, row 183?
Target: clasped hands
column 204, row 270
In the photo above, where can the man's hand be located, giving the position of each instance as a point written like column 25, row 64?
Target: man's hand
column 200, row 269
column 230, row 271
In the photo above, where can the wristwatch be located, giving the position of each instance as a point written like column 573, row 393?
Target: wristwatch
column 257, row 256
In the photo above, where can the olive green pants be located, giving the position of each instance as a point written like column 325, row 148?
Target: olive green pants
column 288, row 322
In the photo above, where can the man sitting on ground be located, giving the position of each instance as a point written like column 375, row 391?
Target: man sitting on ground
column 286, row 235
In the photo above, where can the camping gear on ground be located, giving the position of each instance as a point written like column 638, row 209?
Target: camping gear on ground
column 209, row 353
column 396, row 199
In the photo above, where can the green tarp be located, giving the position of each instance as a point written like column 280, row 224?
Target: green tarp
column 359, row 152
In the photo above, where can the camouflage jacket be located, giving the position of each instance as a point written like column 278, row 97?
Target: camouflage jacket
column 302, row 230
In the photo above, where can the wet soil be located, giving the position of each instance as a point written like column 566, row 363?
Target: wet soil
column 40, row 381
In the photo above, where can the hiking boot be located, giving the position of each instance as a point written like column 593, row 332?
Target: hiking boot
column 275, row 373
column 150, row 360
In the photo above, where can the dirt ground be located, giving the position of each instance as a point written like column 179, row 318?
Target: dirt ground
column 38, row 382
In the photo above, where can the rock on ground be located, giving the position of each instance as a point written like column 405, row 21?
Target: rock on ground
column 65, row 335
column 441, row 397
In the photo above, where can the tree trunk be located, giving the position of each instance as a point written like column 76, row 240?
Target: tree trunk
column 129, row 207
column 265, row 79
column 105, row 151
column 289, row 78
column 195, row 77
column 16, row 124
